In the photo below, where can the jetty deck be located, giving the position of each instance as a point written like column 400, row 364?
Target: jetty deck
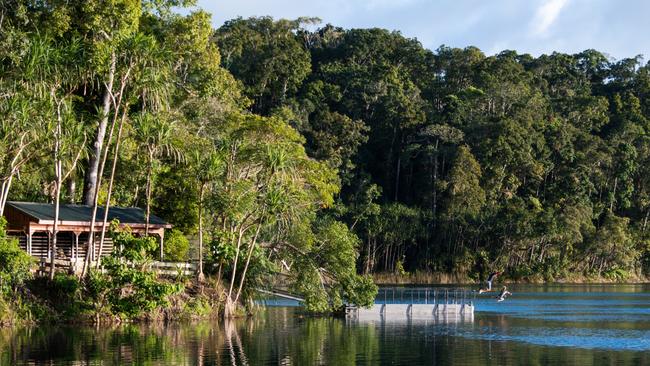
column 403, row 303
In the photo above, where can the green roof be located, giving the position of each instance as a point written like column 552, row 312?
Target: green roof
column 82, row 213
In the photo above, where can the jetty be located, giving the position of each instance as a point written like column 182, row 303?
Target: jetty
column 401, row 304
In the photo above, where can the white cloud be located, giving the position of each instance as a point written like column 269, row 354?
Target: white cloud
column 545, row 15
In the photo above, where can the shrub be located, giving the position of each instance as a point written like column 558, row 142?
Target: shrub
column 399, row 268
column 616, row 274
column 129, row 247
column 176, row 246
column 15, row 264
column 61, row 296
column 128, row 288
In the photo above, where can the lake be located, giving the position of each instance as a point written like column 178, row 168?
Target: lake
column 538, row 325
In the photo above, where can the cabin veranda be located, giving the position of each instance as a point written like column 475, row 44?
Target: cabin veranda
column 33, row 225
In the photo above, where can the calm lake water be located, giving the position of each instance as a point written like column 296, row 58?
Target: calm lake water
column 538, row 325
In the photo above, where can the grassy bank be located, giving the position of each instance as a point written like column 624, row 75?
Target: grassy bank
column 69, row 300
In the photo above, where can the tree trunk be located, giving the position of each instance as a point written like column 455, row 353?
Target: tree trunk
column 229, row 308
column 201, row 276
column 230, row 305
column 397, row 173
column 72, row 190
column 435, row 187
column 234, row 267
column 57, row 184
column 14, row 165
column 110, row 183
column 97, row 186
column 55, row 229
column 219, row 275
column 611, row 204
column 248, row 259
column 92, row 173
column 366, row 264
column 148, row 205
column 4, row 194
column 373, row 262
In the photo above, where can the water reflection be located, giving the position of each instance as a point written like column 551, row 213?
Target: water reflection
column 536, row 329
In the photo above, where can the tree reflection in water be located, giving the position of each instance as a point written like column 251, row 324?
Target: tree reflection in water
column 282, row 337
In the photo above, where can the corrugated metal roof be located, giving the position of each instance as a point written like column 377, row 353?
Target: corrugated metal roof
column 82, row 213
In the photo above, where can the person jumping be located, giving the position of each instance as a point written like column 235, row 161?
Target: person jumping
column 490, row 278
column 502, row 295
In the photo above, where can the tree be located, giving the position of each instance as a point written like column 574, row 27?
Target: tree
column 49, row 74
column 18, row 137
column 69, row 142
column 207, row 168
column 268, row 191
column 267, row 56
column 326, row 272
column 613, row 247
column 154, row 133
column 108, row 25
column 466, row 197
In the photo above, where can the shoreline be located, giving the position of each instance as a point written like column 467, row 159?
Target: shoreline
column 194, row 304
column 440, row 278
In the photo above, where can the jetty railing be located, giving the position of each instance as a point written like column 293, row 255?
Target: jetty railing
column 432, row 295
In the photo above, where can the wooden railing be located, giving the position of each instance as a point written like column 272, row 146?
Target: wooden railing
column 162, row 268
column 174, row 268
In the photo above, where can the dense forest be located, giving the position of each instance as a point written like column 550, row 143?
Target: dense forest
column 451, row 160
column 283, row 145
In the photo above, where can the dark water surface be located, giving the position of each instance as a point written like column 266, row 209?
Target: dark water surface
column 538, row 325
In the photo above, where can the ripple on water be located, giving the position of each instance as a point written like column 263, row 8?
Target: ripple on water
column 610, row 339
column 606, row 320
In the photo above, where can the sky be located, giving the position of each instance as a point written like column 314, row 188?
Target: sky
column 618, row 28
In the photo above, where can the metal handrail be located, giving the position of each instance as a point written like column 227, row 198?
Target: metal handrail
column 406, row 295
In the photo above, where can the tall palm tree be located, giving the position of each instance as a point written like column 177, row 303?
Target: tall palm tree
column 207, row 168
column 50, row 73
column 27, row 84
column 155, row 134
column 144, row 75
column 18, row 135
column 69, row 143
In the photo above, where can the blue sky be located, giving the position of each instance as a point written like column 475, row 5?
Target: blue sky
column 619, row 28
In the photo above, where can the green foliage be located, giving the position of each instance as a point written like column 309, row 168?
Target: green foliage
column 187, row 144
column 127, row 288
column 326, row 274
column 198, row 307
column 59, row 299
column 176, row 247
column 466, row 197
column 15, row 264
column 129, row 292
column 399, row 268
column 266, row 56
column 613, row 246
column 137, row 249
column 221, row 247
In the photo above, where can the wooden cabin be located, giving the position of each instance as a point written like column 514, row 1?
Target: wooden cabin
column 33, row 223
